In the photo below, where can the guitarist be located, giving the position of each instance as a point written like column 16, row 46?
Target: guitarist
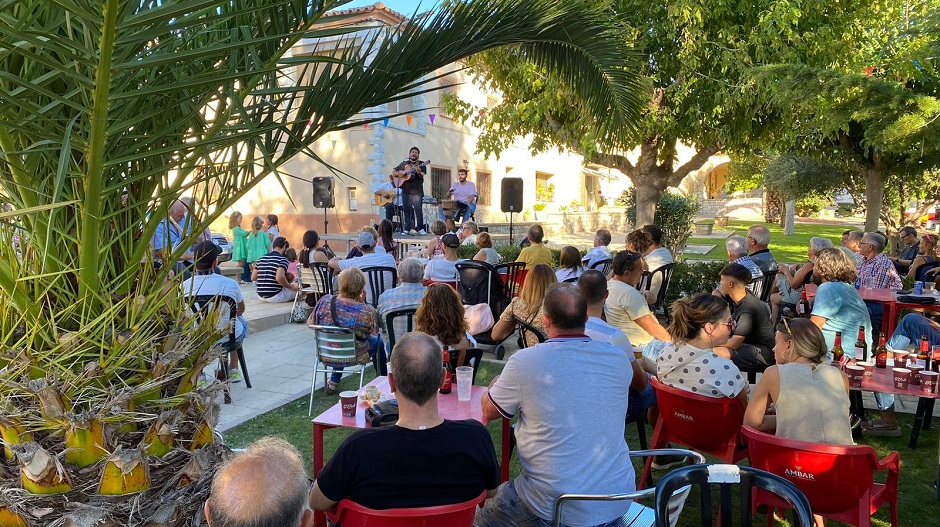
column 412, row 172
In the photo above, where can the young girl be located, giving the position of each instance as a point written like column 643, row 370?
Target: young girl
column 240, row 246
column 385, row 240
column 270, row 225
column 569, row 264
column 293, row 274
column 258, row 242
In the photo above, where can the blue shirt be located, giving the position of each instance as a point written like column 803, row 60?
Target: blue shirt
column 844, row 310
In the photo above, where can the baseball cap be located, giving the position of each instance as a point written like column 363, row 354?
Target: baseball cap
column 206, row 253
column 366, row 240
column 450, row 240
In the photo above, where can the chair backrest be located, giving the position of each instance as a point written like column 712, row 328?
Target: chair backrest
column 398, row 322
column 351, row 514
column 514, row 276
column 452, row 284
column 762, row 287
column 724, row 476
column 817, row 469
column 378, row 279
column 471, row 357
column 528, row 329
column 203, row 304
column 646, row 282
column 603, row 265
column 335, row 344
column 706, row 424
column 480, row 283
column 922, row 271
column 317, row 277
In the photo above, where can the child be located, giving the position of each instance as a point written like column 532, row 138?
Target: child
column 536, row 253
column 239, row 246
column 292, row 264
column 258, row 242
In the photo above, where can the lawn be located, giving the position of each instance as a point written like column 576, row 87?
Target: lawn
column 916, row 504
column 784, row 248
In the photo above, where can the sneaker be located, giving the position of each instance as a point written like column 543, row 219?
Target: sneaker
column 879, row 428
column 855, row 421
column 412, row 232
column 667, row 462
column 422, row 232
column 235, row 375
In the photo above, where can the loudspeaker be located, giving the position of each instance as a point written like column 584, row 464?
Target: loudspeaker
column 323, row 193
column 511, row 195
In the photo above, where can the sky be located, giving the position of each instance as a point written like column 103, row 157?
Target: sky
column 405, row 7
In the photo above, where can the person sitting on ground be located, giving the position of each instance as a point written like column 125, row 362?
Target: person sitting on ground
column 655, row 257
column 468, row 233
column 802, row 397
column 791, row 279
column 527, row 307
column 423, row 460
column 444, row 269
column 909, row 250
column 270, row 275
column 357, row 251
column 264, row 485
column 849, row 244
column 751, row 343
column 698, row 325
column 486, row 253
column 435, row 247
column 385, row 240
column 293, row 265
column 758, row 239
column 927, row 249
column 566, row 441
column 407, row 295
column 626, row 308
column 441, row 315
column 737, row 253
column 600, row 251
column 349, row 310
column 569, row 264
column 535, row 253
column 207, row 282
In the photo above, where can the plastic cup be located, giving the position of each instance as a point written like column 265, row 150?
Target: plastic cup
column 856, row 374
column 915, row 374
column 900, row 359
column 902, row 377
column 869, row 368
column 929, row 287
column 349, row 402
column 928, row 381
column 464, row 382
column 372, row 393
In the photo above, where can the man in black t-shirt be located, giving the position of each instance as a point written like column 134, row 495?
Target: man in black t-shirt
column 412, row 191
column 752, row 341
column 423, row 460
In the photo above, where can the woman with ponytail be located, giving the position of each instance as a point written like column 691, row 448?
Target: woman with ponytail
column 698, row 324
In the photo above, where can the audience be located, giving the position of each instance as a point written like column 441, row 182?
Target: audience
column 535, row 253
column 698, row 324
column 751, row 343
column 444, row 269
column 626, row 308
column 441, row 315
column 357, row 251
column 876, row 271
column 435, row 247
column 909, row 249
column 801, row 397
column 422, row 461
column 349, row 310
column 838, row 305
column 600, row 251
column 312, row 252
column 168, row 237
column 758, row 238
column 407, row 295
column 657, row 255
column 850, row 244
column 468, row 233
column 926, row 256
column 270, row 275
column 369, row 258
column 569, row 398
column 486, row 253
column 737, row 253
column 792, row 278
column 265, row 486
column 385, row 240
column 639, row 241
column 527, row 307
column 569, row 264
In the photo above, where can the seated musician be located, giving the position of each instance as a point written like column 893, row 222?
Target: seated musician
column 387, row 197
column 464, row 194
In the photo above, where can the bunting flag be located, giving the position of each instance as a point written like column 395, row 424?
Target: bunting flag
column 482, row 114
column 408, row 118
column 432, row 116
column 385, row 121
column 366, row 125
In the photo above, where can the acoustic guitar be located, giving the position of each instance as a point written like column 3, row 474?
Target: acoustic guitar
column 410, row 169
column 384, row 197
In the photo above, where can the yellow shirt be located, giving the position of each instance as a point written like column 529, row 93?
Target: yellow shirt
column 535, row 254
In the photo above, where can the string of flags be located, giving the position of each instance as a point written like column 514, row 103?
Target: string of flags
column 409, row 118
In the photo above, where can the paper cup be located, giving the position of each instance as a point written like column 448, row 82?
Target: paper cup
column 915, row 374
column 349, row 402
column 928, row 381
column 869, row 368
column 902, row 377
column 855, row 374
column 900, row 359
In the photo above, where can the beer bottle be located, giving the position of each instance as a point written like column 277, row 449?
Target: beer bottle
column 861, row 347
column 881, row 354
column 802, row 308
column 446, row 386
column 923, row 355
column 837, row 352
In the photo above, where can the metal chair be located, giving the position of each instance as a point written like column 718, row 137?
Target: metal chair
column 201, row 305
column 762, row 287
column 336, row 346
column 407, row 322
column 378, row 279
column 315, row 280
column 646, row 283
column 603, row 265
column 351, row 514
column 747, row 478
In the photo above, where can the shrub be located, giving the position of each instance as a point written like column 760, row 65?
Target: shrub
column 809, row 206
column 674, row 214
column 691, row 276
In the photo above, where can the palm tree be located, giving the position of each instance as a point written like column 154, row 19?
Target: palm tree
column 112, row 109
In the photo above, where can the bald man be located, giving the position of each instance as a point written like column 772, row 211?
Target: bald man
column 168, row 237
column 264, row 486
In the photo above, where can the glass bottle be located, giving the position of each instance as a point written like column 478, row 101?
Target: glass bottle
column 802, row 308
column 923, row 355
column 447, row 384
column 881, row 354
column 837, row 352
column 861, row 347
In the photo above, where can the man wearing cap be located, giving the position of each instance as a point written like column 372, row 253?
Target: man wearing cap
column 206, row 282
column 369, row 258
column 443, row 269
column 270, row 274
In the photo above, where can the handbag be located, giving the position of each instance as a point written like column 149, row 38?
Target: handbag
column 382, row 413
column 300, row 312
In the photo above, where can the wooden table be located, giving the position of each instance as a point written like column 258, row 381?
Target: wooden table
column 882, row 381
column 449, row 406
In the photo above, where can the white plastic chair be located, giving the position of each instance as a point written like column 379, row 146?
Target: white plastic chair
column 336, row 346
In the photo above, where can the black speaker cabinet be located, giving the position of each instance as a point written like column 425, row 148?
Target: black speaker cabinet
column 323, row 193
column 511, row 195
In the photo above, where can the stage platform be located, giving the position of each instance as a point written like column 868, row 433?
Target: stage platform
column 348, row 239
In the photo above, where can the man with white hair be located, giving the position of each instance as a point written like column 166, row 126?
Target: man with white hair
column 737, row 253
column 406, row 296
column 600, row 251
column 168, row 236
column 758, row 238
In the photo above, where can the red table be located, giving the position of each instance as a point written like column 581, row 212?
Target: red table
column 882, row 381
column 449, row 406
column 885, row 296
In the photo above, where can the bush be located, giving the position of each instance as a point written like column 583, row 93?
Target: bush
column 691, row 276
column 674, row 214
column 809, row 206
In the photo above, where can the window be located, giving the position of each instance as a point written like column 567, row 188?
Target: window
column 353, row 203
column 440, row 182
column 484, row 187
column 401, row 106
column 448, row 88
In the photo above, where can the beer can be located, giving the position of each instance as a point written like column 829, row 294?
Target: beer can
column 918, row 288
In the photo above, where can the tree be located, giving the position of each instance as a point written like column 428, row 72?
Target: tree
column 697, row 60
column 109, row 111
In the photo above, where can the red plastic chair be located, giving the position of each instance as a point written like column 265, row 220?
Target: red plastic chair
column 837, row 479
column 711, row 425
column 351, row 514
column 453, row 283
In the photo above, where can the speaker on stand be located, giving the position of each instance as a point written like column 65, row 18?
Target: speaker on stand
column 323, row 199
column 511, row 199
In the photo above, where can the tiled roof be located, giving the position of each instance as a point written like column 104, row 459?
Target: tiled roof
column 378, row 6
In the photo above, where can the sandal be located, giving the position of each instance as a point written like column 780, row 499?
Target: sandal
column 879, row 428
column 331, row 387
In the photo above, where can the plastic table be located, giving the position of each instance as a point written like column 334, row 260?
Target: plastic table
column 882, row 381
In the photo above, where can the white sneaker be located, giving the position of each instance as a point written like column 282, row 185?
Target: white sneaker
column 412, row 232
column 422, row 232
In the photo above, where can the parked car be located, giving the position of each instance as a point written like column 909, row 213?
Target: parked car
column 223, row 242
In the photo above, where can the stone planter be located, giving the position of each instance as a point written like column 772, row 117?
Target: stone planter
column 721, row 221
column 703, row 229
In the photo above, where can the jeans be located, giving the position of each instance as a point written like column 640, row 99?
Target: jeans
column 912, row 327
column 375, row 345
column 246, row 271
column 640, row 402
column 875, row 311
column 463, row 213
column 412, row 210
column 507, row 509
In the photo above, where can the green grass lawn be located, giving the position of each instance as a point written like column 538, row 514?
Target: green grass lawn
column 784, row 248
column 916, row 504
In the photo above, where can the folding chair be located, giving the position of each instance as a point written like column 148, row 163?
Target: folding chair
column 336, row 346
column 351, row 514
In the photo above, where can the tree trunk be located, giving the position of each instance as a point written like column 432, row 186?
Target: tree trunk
column 647, row 196
column 789, row 218
column 875, row 177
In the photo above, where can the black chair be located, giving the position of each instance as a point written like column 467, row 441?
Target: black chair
column 378, row 279
column 409, row 320
column 512, row 270
column 572, row 280
column 471, row 357
column 603, row 266
column 201, row 305
column 646, row 283
column 704, row 476
column 922, row 271
column 763, row 286
column 528, row 329
column 480, row 283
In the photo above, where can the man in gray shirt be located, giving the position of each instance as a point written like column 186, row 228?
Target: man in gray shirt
column 559, row 412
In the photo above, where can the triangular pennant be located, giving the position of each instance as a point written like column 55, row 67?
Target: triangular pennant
column 408, row 118
column 385, row 121
column 366, row 125
column 483, row 114
column 432, row 116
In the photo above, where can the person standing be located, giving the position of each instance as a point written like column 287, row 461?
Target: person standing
column 240, row 246
column 465, row 193
column 270, row 224
column 412, row 189
column 258, row 243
